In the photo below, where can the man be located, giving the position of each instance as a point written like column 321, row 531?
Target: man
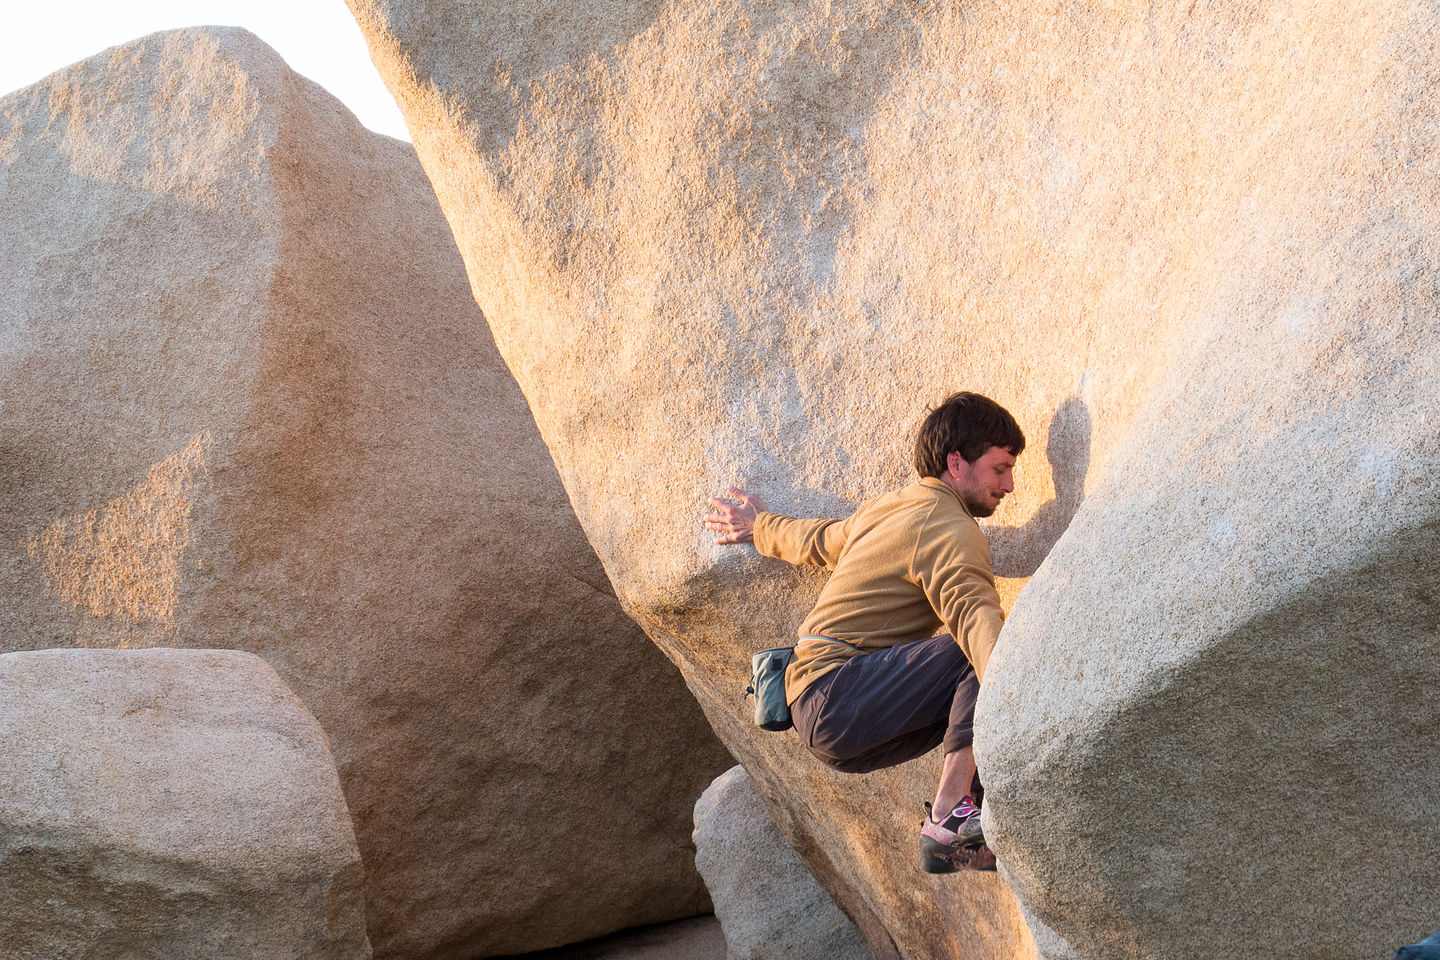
column 875, row 681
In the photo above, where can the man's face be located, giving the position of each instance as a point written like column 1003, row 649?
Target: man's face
column 984, row 483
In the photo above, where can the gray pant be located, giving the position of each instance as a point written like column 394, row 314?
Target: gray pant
column 886, row 707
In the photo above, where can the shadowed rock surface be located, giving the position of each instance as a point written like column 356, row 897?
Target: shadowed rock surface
column 169, row 803
column 246, row 400
column 693, row 938
column 750, row 242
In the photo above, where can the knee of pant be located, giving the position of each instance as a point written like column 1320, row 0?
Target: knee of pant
column 834, row 746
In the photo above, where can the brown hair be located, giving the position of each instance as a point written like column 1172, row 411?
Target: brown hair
column 968, row 424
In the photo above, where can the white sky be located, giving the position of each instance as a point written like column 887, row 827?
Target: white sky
column 318, row 38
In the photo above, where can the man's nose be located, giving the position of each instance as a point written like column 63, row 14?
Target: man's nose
column 1007, row 483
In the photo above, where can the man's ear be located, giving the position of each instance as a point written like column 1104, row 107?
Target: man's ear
column 955, row 463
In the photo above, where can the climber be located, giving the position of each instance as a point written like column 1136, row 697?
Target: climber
column 874, row 680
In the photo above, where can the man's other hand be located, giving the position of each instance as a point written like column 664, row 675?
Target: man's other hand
column 733, row 519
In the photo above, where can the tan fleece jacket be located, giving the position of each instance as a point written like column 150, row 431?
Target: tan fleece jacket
column 907, row 565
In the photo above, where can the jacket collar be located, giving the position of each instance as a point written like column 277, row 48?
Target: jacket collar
column 935, row 483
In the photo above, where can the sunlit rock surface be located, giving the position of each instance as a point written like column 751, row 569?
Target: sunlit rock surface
column 1189, row 246
column 169, row 803
column 246, row 400
column 769, row 905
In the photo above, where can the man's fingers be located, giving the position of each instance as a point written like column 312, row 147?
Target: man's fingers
column 732, row 518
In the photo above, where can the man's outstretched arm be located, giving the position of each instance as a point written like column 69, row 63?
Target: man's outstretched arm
column 744, row 518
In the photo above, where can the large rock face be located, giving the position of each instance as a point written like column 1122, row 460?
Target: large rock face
column 1188, row 247
column 169, row 803
column 246, row 400
column 769, row 905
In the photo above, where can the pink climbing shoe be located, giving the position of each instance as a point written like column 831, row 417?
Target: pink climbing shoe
column 955, row 843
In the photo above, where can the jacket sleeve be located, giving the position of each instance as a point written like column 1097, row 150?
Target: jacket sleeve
column 798, row 541
column 951, row 564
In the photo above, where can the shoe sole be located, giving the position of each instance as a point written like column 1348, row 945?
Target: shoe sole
column 937, row 857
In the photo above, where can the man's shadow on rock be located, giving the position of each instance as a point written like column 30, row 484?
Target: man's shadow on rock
column 1018, row 551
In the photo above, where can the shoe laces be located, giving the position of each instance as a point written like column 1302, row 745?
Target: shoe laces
column 963, row 811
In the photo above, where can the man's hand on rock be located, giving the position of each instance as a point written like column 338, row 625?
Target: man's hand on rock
column 733, row 518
